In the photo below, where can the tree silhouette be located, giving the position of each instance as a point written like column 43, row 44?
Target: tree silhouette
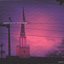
column 60, row 1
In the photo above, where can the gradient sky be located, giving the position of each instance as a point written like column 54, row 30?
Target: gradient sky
column 44, row 18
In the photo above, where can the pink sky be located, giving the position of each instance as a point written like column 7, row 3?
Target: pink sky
column 37, row 13
column 41, row 46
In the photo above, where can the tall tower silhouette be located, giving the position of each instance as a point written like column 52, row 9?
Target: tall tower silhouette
column 23, row 47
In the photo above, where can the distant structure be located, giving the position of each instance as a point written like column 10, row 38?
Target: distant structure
column 60, row 1
column 7, row 25
column 23, row 50
column 2, row 52
column 60, row 51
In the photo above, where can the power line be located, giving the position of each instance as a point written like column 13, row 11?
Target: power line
column 50, row 24
column 37, row 35
column 41, row 26
column 43, row 36
column 46, row 36
column 44, row 23
column 46, row 30
column 42, row 30
column 33, row 22
column 48, row 27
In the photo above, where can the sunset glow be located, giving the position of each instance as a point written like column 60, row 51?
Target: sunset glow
column 44, row 28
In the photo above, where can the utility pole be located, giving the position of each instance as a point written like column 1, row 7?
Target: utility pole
column 8, row 27
column 9, row 45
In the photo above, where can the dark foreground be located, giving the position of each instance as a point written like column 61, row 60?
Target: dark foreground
column 32, row 60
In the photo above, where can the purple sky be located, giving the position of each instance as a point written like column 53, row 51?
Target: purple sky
column 38, row 12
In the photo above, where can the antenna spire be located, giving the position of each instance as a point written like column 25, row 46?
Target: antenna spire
column 24, row 15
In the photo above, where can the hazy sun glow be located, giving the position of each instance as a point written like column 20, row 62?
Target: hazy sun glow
column 43, row 29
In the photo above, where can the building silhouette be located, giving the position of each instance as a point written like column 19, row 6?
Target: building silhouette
column 60, row 50
column 2, row 52
column 23, row 50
